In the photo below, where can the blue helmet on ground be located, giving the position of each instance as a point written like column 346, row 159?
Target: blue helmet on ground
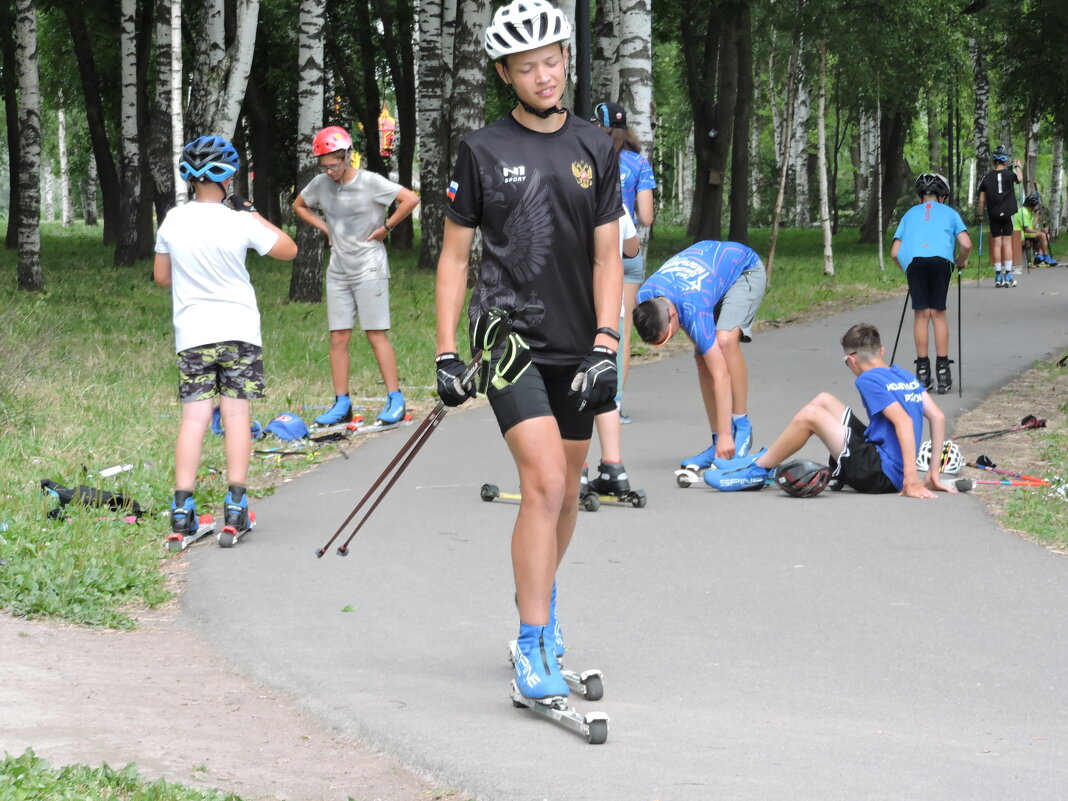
column 209, row 158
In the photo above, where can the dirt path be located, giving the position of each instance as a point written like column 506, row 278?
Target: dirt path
column 157, row 697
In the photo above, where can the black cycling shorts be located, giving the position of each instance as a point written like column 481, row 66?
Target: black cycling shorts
column 928, row 279
column 1001, row 225
column 859, row 465
column 543, row 391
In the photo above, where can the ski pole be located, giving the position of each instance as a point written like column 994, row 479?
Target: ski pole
column 415, row 441
column 1030, row 421
column 900, row 323
column 984, row 463
column 966, row 484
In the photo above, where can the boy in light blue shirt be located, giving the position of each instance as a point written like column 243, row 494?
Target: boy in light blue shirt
column 923, row 247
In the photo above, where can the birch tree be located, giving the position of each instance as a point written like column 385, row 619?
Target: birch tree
column 130, row 158
column 160, row 146
column 220, row 74
column 635, row 69
column 821, row 155
column 30, row 275
column 1056, row 187
column 10, row 78
column 177, row 137
column 89, row 202
column 604, row 77
column 306, row 283
column 432, row 89
column 66, row 206
column 981, row 109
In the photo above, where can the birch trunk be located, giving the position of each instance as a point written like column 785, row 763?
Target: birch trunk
column 220, row 74
column 30, row 276
column 432, row 84
column 161, row 165
column 791, row 76
column 798, row 160
column 66, row 206
column 130, row 158
column 636, row 69
column 306, row 283
column 468, row 72
column 89, row 205
column 1056, row 187
column 177, row 137
column 821, row 155
column 604, row 79
column 879, row 185
column 10, row 79
column 981, row 110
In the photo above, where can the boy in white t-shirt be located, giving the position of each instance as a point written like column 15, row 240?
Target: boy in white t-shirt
column 200, row 255
column 354, row 203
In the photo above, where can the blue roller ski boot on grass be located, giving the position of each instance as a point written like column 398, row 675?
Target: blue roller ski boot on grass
column 340, row 412
column 536, row 672
column 394, row 411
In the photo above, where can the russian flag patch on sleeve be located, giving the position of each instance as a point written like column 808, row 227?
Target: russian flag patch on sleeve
column 452, row 190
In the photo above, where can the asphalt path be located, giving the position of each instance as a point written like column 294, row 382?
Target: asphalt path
column 754, row 646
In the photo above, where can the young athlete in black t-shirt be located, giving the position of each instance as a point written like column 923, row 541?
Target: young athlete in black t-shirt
column 997, row 193
column 542, row 186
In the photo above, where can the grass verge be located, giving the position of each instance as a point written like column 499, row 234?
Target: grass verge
column 89, row 378
column 30, row 777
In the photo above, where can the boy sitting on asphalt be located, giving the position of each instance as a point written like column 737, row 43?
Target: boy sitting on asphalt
column 877, row 458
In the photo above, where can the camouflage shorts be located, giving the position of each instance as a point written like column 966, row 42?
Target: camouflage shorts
column 233, row 369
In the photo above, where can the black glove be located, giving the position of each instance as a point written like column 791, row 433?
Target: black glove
column 449, row 370
column 595, row 380
column 238, row 203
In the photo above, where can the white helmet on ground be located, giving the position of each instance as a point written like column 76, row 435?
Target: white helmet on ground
column 952, row 460
column 525, row 25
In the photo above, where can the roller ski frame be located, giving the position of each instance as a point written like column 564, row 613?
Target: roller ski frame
column 588, row 502
column 686, row 477
column 589, row 683
column 178, row 542
column 593, row 726
column 230, row 535
column 378, row 425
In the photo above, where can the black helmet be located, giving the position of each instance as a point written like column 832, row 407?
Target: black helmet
column 1033, row 201
column 932, row 183
column 802, row 478
column 1000, row 155
column 208, row 158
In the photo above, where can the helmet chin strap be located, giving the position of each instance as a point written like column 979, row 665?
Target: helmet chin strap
column 536, row 112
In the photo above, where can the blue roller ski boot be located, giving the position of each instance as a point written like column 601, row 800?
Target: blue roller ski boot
column 739, row 474
column 394, row 411
column 742, row 433
column 536, row 672
column 340, row 412
column 554, row 628
column 237, row 517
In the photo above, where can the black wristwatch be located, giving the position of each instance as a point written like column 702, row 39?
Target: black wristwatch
column 389, row 228
column 610, row 332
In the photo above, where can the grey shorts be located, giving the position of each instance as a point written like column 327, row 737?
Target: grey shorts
column 739, row 306
column 634, row 269
column 367, row 300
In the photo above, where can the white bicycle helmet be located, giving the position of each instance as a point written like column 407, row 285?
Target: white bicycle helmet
column 525, row 25
column 951, row 458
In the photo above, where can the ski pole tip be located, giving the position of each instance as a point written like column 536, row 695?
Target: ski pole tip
column 319, row 552
column 342, row 551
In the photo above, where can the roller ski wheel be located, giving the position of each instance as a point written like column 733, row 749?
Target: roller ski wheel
column 593, row 726
column 686, row 477
column 230, row 534
column 635, row 498
column 489, row 492
column 589, row 683
column 590, row 502
column 177, row 542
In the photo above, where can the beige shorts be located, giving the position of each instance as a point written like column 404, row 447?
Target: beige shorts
column 368, row 301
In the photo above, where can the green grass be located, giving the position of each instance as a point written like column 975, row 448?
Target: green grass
column 1043, row 513
column 89, row 381
column 28, row 777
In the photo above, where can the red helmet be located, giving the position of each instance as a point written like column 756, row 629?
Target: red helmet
column 330, row 140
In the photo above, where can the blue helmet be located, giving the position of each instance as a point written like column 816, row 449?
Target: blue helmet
column 208, row 158
column 1000, row 155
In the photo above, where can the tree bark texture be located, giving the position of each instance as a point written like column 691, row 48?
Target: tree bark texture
column 30, row 275
column 635, row 69
column 66, row 206
column 11, row 108
column 221, row 69
column 433, row 87
column 821, row 155
column 893, row 133
column 160, row 146
column 306, row 281
column 1056, row 188
column 129, row 160
column 743, row 193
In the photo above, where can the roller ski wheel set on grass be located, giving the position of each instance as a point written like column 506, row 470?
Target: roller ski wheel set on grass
column 588, row 502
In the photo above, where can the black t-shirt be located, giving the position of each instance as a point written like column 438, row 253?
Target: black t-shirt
column 537, row 198
column 1000, row 195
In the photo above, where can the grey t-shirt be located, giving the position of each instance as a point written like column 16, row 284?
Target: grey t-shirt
column 352, row 212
